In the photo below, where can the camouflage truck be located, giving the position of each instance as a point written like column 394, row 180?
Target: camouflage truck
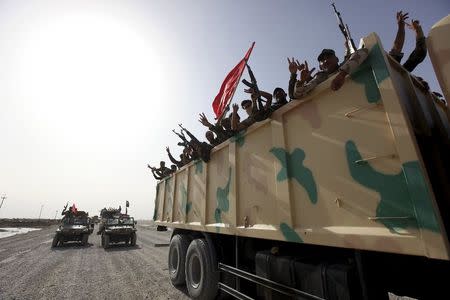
column 116, row 227
column 75, row 226
column 340, row 195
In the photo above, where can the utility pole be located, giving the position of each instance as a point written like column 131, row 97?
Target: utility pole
column 40, row 212
column 3, row 199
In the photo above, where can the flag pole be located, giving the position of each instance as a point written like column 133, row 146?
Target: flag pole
column 239, row 80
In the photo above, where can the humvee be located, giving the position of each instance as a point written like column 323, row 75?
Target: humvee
column 73, row 227
column 116, row 229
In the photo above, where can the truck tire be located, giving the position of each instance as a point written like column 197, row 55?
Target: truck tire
column 55, row 241
column 133, row 239
column 84, row 241
column 177, row 258
column 202, row 277
column 106, row 241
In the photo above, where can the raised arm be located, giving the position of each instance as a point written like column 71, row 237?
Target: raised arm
column 204, row 120
column 234, row 118
column 307, row 83
column 396, row 50
column 172, row 159
column 420, row 52
column 292, row 65
column 193, row 138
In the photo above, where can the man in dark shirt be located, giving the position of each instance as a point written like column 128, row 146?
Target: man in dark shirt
column 161, row 172
column 211, row 139
column 201, row 149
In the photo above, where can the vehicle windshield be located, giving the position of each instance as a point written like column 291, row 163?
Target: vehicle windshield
column 75, row 221
column 127, row 221
column 121, row 221
column 112, row 221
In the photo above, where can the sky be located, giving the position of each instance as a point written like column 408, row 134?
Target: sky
column 90, row 90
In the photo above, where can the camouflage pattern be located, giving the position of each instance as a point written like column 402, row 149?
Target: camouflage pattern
column 336, row 168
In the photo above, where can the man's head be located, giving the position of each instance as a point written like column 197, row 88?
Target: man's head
column 210, row 136
column 279, row 95
column 162, row 164
column 247, row 106
column 173, row 168
column 328, row 60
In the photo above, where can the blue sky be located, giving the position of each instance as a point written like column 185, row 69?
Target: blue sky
column 90, row 90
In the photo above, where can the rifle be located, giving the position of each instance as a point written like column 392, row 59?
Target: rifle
column 182, row 137
column 194, row 140
column 345, row 31
column 253, row 85
column 64, row 209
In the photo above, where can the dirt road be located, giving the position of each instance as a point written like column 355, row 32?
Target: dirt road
column 30, row 269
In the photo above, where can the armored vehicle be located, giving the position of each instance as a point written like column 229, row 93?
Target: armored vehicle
column 75, row 226
column 116, row 228
column 339, row 195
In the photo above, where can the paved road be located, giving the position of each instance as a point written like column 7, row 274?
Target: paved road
column 31, row 269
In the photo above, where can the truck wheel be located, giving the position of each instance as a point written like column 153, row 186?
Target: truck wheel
column 106, row 241
column 202, row 277
column 84, row 241
column 55, row 241
column 177, row 258
column 133, row 239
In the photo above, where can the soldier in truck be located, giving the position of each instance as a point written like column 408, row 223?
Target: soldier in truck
column 329, row 65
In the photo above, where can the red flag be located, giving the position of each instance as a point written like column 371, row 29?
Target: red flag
column 74, row 209
column 229, row 85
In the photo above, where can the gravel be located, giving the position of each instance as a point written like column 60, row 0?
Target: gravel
column 31, row 269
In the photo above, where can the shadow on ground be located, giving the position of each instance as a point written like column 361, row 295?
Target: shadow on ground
column 121, row 247
column 71, row 246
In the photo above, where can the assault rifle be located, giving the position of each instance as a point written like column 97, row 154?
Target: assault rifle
column 350, row 44
column 254, row 86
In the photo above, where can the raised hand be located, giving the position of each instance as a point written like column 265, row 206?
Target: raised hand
column 204, row 120
column 305, row 73
column 292, row 66
column 249, row 91
column 401, row 18
column 415, row 25
column 235, row 107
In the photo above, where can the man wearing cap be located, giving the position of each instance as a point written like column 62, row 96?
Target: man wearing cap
column 329, row 65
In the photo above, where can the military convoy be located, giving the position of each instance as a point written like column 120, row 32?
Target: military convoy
column 75, row 226
column 116, row 227
column 340, row 195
